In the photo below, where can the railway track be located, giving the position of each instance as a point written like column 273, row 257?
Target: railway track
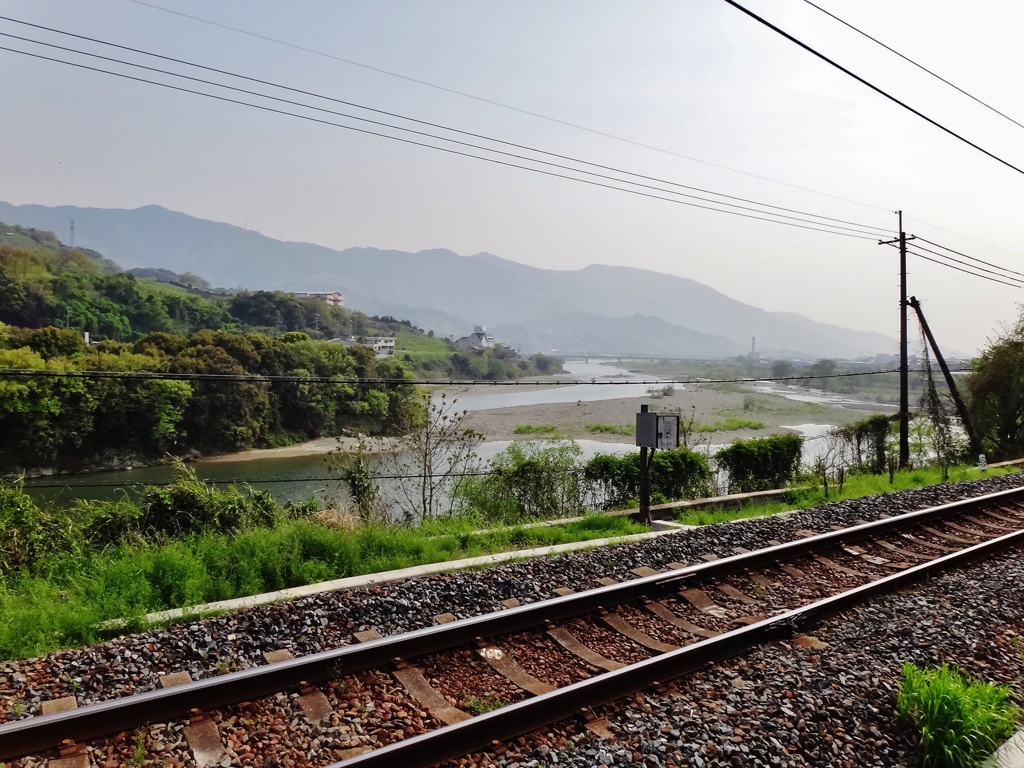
column 545, row 660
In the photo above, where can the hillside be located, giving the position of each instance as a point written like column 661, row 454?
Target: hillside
column 598, row 309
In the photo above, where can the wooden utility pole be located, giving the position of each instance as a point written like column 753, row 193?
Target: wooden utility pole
column 904, row 414
column 904, row 367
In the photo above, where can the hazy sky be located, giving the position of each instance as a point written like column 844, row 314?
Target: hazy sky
column 688, row 77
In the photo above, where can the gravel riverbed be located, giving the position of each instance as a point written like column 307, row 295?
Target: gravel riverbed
column 828, row 706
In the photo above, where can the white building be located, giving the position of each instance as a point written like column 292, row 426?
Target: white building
column 331, row 298
column 383, row 346
column 478, row 339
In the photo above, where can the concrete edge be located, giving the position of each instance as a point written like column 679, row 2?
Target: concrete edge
column 384, row 577
column 1009, row 755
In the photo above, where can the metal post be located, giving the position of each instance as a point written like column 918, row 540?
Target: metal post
column 904, row 370
column 645, row 479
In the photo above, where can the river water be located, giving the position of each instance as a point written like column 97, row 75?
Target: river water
column 613, row 383
column 296, row 478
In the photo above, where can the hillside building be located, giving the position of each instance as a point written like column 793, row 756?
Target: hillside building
column 331, row 298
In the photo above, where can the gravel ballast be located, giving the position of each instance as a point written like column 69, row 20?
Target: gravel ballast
column 776, row 706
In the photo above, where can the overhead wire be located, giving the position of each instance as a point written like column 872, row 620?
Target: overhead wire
column 823, row 228
column 271, row 378
column 873, row 87
column 499, row 104
column 952, row 259
column 916, row 64
column 975, row 270
column 966, row 237
column 831, row 222
column 966, row 268
column 971, row 258
column 377, row 111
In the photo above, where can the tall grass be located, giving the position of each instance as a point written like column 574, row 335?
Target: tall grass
column 548, row 430
column 728, row 425
column 810, row 494
column 960, row 721
column 67, row 604
column 612, row 429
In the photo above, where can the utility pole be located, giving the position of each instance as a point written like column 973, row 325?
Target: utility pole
column 904, row 372
column 904, row 414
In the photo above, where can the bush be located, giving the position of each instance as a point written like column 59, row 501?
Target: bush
column 189, row 505
column 760, row 464
column 676, row 474
column 528, row 480
column 29, row 534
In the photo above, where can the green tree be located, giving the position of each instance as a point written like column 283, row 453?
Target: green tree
column 996, row 394
column 782, row 369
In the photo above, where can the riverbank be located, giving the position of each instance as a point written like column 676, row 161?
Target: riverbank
column 707, row 404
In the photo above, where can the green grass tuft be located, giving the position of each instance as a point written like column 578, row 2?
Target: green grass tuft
column 854, row 487
column 960, row 721
column 549, row 430
column 612, row 429
column 728, row 425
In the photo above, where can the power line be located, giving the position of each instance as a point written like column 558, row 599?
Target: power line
column 967, row 269
column 377, row 111
column 259, row 379
column 499, row 104
column 966, row 237
column 448, row 150
column 975, row 270
column 958, row 253
column 873, row 87
column 919, row 66
column 827, row 220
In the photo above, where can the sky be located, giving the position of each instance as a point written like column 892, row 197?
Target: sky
column 688, row 92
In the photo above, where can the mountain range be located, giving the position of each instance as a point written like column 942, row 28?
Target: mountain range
column 595, row 310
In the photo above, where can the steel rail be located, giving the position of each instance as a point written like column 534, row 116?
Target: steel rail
column 522, row 717
column 36, row 734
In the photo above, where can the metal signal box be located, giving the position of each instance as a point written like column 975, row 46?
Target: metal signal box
column 657, row 430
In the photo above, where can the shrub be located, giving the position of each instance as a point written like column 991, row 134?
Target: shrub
column 676, row 474
column 27, row 533
column 189, row 505
column 531, row 479
column 760, row 464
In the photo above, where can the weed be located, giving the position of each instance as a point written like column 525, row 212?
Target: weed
column 961, row 721
column 612, row 429
column 138, row 756
column 487, row 703
column 16, row 708
column 336, row 673
column 536, row 429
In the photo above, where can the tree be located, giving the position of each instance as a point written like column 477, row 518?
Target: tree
column 423, row 466
column 822, row 368
column 996, row 394
column 782, row 369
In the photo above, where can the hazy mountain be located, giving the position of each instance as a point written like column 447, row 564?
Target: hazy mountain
column 598, row 309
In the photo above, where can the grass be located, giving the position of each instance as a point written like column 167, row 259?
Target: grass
column 855, row 486
column 548, row 430
column 612, row 429
column 66, row 605
column 425, row 354
column 960, row 721
column 483, row 705
column 728, row 425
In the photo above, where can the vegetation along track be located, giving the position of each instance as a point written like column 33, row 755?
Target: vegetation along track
column 547, row 660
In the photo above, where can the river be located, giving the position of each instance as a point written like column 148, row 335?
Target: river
column 296, row 478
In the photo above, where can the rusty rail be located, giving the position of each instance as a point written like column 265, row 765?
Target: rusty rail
column 36, row 734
